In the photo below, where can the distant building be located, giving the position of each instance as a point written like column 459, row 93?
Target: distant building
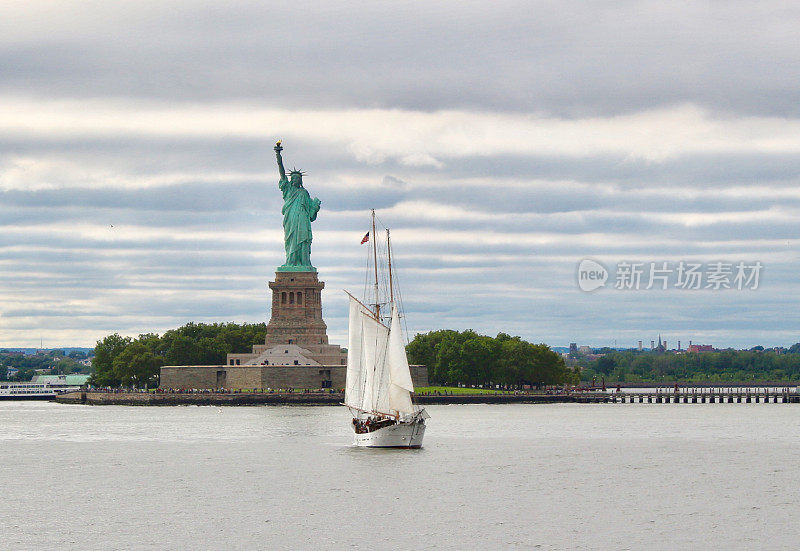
column 585, row 350
column 77, row 379
column 640, row 346
column 573, row 348
column 700, row 348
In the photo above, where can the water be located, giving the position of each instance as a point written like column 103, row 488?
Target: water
column 561, row 476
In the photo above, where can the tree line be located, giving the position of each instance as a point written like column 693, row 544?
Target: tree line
column 53, row 362
column 137, row 362
column 465, row 357
column 452, row 357
column 756, row 364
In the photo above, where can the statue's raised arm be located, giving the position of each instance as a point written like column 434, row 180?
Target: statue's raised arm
column 278, row 150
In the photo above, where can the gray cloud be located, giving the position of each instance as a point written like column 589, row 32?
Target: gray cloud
column 484, row 241
column 567, row 58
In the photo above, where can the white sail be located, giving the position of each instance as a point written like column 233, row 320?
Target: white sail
column 401, row 385
column 368, row 363
column 375, row 375
column 382, row 375
column 354, row 382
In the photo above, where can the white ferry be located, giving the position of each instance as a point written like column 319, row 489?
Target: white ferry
column 38, row 390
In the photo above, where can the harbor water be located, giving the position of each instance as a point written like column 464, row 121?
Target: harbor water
column 560, row 476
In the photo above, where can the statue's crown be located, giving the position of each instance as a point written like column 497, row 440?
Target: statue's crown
column 296, row 171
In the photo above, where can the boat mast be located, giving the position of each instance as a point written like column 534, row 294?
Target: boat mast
column 375, row 259
column 391, row 282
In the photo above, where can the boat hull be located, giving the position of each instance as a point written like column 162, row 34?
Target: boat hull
column 27, row 396
column 401, row 435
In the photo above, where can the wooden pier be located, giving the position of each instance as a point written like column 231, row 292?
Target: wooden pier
column 699, row 396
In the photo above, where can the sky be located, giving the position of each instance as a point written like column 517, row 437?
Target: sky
column 503, row 143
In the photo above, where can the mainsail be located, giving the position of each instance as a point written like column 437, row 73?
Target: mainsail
column 378, row 376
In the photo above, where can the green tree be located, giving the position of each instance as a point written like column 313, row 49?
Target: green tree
column 448, row 359
column 605, row 364
column 136, row 365
column 422, row 349
column 516, row 362
column 477, row 358
column 105, row 352
column 467, row 357
column 191, row 344
column 65, row 366
column 548, row 367
column 23, row 374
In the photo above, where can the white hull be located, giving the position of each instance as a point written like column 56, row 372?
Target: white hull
column 401, row 435
column 32, row 391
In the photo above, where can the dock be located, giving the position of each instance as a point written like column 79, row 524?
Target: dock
column 710, row 396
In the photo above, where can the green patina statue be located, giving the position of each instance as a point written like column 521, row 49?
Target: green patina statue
column 299, row 210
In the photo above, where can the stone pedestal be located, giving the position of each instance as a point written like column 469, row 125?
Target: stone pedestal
column 296, row 321
column 296, row 310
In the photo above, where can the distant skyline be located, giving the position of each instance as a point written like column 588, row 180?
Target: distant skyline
column 502, row 144
column 672, row 345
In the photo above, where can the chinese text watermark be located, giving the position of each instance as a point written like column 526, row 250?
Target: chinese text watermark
column 663, row 275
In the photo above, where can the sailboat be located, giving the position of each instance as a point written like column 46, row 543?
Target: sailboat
column 379, row 386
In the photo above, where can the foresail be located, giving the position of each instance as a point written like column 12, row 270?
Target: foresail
column 400, row 400
column 401, row 385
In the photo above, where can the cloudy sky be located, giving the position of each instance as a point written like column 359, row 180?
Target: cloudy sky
column 502, row 142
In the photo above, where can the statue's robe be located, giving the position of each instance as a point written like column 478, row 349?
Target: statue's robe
column 299, row 210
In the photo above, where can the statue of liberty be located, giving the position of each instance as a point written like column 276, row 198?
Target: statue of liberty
column 299, row 210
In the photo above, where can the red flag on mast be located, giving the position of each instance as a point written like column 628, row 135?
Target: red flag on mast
column 366, row 238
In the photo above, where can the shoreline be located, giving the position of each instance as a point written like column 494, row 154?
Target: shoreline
column 305, row 399
column 335, row 399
